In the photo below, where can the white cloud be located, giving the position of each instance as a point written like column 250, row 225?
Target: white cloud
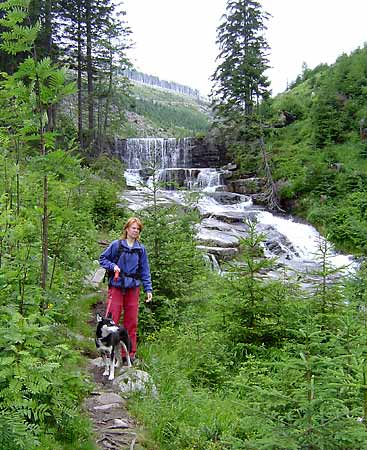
column 175, row 39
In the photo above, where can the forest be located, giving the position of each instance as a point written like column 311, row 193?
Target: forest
column 240, row 361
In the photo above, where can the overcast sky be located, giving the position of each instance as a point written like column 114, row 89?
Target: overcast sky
column 175, row 39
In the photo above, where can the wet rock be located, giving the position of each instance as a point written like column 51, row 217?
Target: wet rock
column 260, row 199
column 233, row 216
column 222, row 253
column 227, row 174
column 216, row 238
column 278, row 244
column 230, row 167
column 235, row 229
column 229, row 198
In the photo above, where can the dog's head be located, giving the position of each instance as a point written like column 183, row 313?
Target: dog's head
column 105, row 326
column 105, row 321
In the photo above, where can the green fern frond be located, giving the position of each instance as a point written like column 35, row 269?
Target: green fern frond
column 15, row 432
column 17, row 15
column 10, row 4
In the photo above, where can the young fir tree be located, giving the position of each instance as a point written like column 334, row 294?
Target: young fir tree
column 253, row 307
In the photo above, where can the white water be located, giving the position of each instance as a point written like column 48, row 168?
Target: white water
column 295, row 244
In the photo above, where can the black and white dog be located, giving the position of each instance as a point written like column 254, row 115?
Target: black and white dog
column 110, row 338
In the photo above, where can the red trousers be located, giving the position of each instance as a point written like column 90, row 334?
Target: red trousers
column 128, row 302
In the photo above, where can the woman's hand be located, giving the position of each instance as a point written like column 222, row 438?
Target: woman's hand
column 116, row 269
column 149, row 297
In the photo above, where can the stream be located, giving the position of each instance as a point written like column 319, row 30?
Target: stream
column 294, row 244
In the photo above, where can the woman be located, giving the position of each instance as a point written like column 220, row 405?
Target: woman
column 127, row 265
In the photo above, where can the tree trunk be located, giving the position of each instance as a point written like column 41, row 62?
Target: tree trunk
column 272, row 195
column 48, row 27
column 90, row 71
column 109, row 94
column 79, row 81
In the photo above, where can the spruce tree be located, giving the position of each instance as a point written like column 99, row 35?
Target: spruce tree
column 240, row 82
column 240, row 85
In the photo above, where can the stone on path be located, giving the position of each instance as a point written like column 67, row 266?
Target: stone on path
column 106, row 406
column 133, row 380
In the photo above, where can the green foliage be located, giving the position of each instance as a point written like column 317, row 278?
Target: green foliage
column 42, row 207
column 346, row 224
column 170, row 117
column 19, row 37
column 304, row 390
column 15, row 432
column 340, row 92
column 104, row 202
column 170, row 114
column 109, row 168
column 104, row 190
column 319, row 160
column 45, row 400
column 174, row 260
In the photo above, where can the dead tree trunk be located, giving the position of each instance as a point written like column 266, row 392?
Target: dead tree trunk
column 272, row 197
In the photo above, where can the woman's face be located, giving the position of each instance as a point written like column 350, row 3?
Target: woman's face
column 132, row 231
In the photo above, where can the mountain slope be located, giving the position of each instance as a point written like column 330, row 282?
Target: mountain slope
column 320, row 160
column 154, row 111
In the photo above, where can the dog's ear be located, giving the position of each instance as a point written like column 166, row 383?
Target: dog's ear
column 109, row 315
column 99, row 318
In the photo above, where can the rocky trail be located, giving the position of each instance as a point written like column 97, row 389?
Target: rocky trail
column 113, row 425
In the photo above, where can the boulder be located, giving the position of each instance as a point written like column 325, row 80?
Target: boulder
column 229, row 198
column 216, row 238
column 234, row 229
column 230, row 167
column 222, row 253
column 260, row 199
column 247, row 185
column 232, row 216
column 133, row 380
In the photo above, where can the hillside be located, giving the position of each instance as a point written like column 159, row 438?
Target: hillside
column 152, row 80
column 320, row 160
column 154, row 111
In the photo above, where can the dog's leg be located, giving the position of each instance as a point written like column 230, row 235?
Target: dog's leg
column 112, row 364
column 106, row 365
column 127, row 354
column 118, row 357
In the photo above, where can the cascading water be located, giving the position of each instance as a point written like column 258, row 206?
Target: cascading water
column 171, row 159
column 223, row 213
column 159, row 153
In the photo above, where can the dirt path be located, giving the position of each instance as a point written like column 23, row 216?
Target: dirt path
column 114, row 427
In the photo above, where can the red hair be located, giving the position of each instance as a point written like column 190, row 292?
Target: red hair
column 130, row 222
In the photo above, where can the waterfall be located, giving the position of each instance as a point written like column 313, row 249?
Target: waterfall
column 180, row 163
column 157, row 153
column 173, row 160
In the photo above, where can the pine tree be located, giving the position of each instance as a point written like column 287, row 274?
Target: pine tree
column 240, row 86
column 240, row 82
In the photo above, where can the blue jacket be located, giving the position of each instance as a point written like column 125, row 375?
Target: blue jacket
column 128, row 263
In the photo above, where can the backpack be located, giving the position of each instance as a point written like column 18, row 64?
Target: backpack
column 120, row 251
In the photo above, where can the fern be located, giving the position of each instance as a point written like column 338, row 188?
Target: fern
column 15, row 433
